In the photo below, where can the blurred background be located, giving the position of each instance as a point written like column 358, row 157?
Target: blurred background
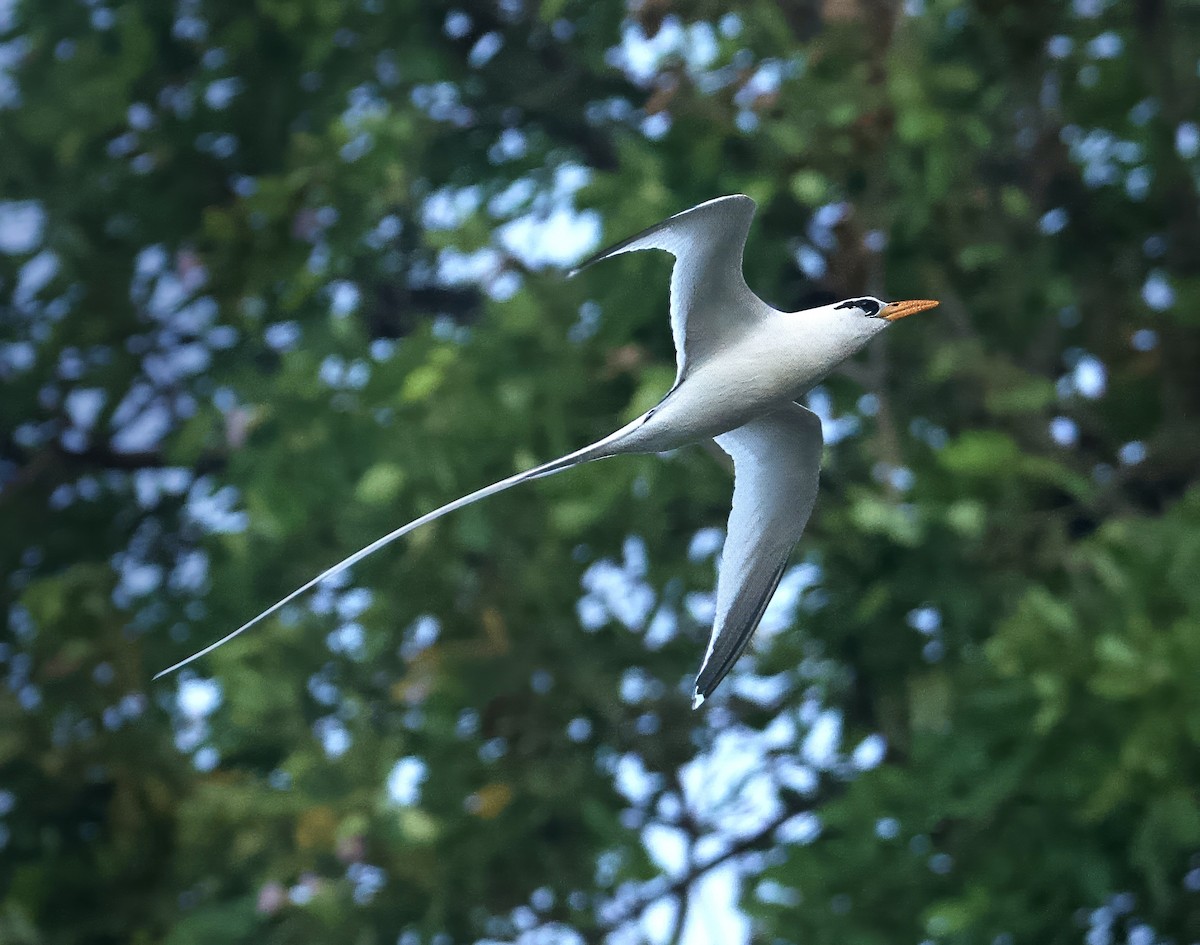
column 279, row 275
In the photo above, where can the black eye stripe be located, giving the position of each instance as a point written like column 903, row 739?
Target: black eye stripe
column 870, row 306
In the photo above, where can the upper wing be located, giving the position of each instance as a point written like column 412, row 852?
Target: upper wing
column 709, row 296
column 776, row 462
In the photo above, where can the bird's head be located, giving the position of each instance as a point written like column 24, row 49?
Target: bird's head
column 887, row 311
column 844, row 327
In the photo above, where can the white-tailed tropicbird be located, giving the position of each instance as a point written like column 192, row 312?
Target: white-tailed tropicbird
column 741, row 366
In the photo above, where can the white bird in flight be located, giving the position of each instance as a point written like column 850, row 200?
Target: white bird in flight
column 741, row 367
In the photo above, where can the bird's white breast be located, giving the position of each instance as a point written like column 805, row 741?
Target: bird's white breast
column 777, row 360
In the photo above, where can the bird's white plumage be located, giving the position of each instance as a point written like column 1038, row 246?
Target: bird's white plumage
column 741, row 364
column 777, row 463
column 709, row 295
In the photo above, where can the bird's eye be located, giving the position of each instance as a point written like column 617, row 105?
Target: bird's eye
column 869, row 307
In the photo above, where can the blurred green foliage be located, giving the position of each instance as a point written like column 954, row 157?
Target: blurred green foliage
column 263, row 296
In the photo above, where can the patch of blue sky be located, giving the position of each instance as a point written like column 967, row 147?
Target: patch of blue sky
column 1154, row 246
column 822, row 223
column 811, row 262
column 216, row 511
column 367, row 880
column 656, row 924
column 900, row 478
column 421, row 634
column 1099, row 152
column 11, row 54
column 657, row 125
column 1157, row 291
column 661, row 630
column 16, row 357
column 1108, row 45
column 1143, row 111
column 701, row 606
column 1059, row 47
column 33, row 278
column 929, row 433
column 1064, row 431
column 220, row 93
column 1053, row 221
column 348, row 640
column 1137, row 182
column 633, row 781
column 820, row 746
column 151, row 485
column 587, row 324
column 802, row 829
column 22, row 226
column 144, row 429
column 384, row 232
column 343, row 297
column 730, row 788
column 926, row 619
column 333, row 735
column 364, row 104
column 457, row 24
column 869, row 753
column 441, row 101
column 637, row 685
column 449, row 207
column 1086, row 376
column 167, row 297
column 1187, row 140
column 706, row 543
column 282, row 336
column 353, row 603
column 198, row 698
column 765, row 691
column 455, row 267
column 1144, row 339
column 188, row 26
column 485, row 49
column 190, row 573
column 136, row 579
column 557, row 238
column 618, row 590
column 715, row 917
column 357, row 147
column 641, row 57
column 1132, row 453
column 833, row 429
column 667, row 846
column 510, row 145
column 764, row 80
column 405, row 780
column 83, row 406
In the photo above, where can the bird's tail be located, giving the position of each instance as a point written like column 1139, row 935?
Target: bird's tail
column 598, row 450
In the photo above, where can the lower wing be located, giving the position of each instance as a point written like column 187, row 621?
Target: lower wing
column 777, row 462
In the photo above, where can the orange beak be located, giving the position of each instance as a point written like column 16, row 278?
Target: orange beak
column 898, row 310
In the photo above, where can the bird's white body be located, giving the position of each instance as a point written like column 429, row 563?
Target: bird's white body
column 741, row 367
column 778, row 362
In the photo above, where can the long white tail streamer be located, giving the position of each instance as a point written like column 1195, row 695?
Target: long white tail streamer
column 598, row 450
